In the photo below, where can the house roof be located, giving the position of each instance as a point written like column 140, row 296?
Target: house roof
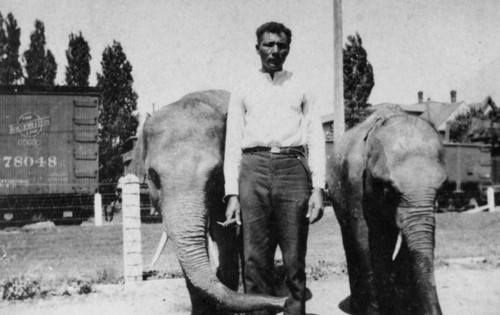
column 439, row 113
column 436, row 113
column 485, row 106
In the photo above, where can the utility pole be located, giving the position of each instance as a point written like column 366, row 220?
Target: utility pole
column 338, row 72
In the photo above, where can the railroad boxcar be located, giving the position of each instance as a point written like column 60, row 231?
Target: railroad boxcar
column 49, row 153
column 470, row 172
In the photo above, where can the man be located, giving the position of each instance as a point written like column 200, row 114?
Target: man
column 116, row 205
column 272, row 123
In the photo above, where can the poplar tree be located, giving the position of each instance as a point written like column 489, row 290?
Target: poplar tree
column 3, row 50
column 40, row 64
column 78, row 56
column 358, row 81
column 10, row 34
column 117, row 103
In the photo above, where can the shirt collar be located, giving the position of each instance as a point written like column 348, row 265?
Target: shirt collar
column 277, row 75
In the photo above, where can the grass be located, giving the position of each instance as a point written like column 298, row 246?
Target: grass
column 460, row 235
column 62, row 256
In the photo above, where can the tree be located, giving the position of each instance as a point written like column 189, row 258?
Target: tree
column 3, row 49
column 475, row 123
column 10, row 67
column 461, row 126
column 358, row 81
column 78, row 56
column 41, row 67
column 118, row 101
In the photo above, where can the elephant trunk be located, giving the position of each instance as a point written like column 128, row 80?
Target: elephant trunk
column 186, row 224
column 416, row 220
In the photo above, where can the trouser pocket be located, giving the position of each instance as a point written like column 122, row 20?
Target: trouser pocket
column 304, row 162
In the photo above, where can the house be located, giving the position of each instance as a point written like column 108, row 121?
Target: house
column 440, row 113
column 327, row 122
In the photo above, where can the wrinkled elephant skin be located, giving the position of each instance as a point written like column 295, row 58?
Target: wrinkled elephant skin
column 180, row 148
column 384, row 175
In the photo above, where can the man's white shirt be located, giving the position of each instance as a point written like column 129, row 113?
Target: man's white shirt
column 277, row 112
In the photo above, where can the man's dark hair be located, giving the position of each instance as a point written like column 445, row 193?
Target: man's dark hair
column 275, row 28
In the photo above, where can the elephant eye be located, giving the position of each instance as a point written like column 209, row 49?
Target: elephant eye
column 391, row 194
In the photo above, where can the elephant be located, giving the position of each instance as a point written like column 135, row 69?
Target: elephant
column 180, row 149
column 384, row 175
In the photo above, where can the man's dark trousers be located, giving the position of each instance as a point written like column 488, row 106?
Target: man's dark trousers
column 274, row 194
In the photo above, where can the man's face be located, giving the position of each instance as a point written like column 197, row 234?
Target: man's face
column 273, row 50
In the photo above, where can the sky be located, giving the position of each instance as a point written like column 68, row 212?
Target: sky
column 180, row 46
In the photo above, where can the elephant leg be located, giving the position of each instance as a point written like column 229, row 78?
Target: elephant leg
column 355, row 240
column 226, row 238
column 228, row 243
column 404, row 280
column 354, row 231
column 382, row 242
column 228, row 246
column 106, row 211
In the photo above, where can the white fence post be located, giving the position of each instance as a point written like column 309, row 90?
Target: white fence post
column 97, row 209
column 132, row 249
column 490, row 193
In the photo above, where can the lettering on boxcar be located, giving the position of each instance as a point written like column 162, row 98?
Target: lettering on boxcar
column 29, row 125
column 6, row 183
column 58, row 177
column 29, row 161
column 28, row 142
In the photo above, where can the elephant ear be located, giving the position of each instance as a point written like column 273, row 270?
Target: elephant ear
column 379, row 121
column 376, row 159
column 378, row 118
column 137, row 164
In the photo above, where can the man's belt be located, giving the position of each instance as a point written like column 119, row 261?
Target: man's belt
column 276, row 150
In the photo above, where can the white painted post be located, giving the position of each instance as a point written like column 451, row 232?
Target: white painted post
column 338, row 73
column 132, row 249
column 97, row 209
column 490, row 193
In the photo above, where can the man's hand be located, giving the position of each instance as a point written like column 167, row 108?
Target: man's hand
column 315, row 211
column 233, row 212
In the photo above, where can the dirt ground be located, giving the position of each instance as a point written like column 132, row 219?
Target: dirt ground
column 464, row 287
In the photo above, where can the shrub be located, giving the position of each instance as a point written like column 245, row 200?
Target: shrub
column 19, row 288
column 75, row 286
column 322, row 269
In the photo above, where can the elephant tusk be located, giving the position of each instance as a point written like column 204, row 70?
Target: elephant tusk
column 398, row 245
column 159, row 249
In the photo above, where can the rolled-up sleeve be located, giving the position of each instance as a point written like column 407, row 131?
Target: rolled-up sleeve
column 234, row 135
column 315, row 141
